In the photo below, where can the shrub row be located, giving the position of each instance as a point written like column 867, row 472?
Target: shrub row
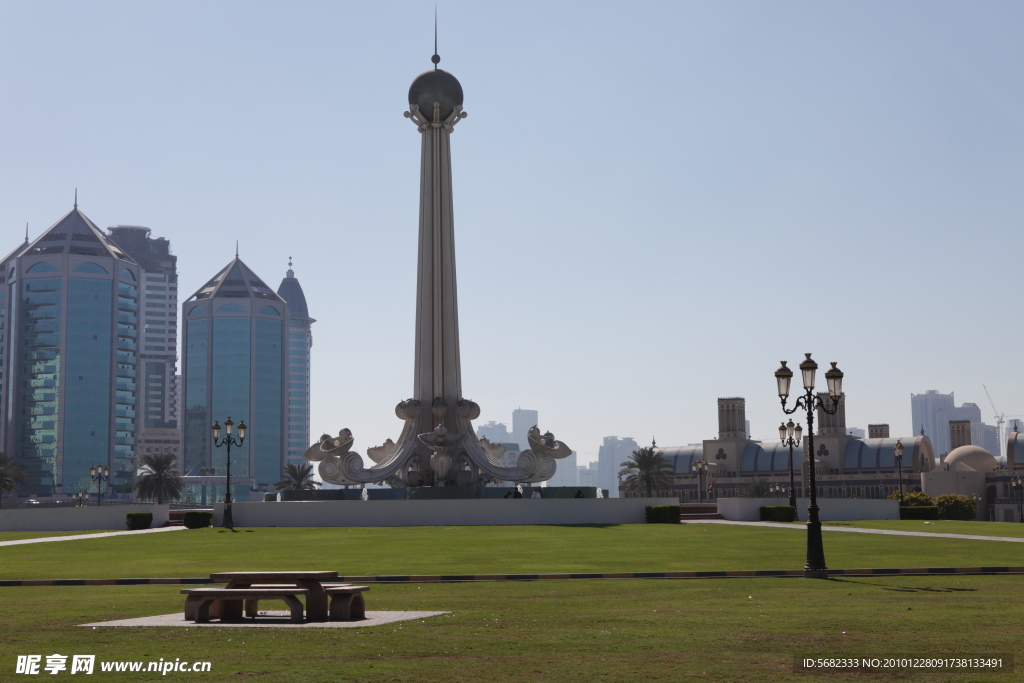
column 778, row 513
column 919, row 512
column 662, row 514
column 139, row 520
column 197, row 519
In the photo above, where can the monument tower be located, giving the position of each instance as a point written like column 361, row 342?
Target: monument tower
column 438, row 445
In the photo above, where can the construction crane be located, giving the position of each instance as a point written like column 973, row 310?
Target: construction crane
column 1000, row 418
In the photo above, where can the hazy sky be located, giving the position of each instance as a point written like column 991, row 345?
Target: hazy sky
column 654, row 202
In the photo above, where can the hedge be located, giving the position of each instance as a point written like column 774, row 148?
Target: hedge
column 919, row 512
column 953, row 506
column 662, row 514
column 778, row 513
column 139, row 520
column 197, row 519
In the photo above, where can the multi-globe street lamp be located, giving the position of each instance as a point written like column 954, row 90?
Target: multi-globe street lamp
column 229, row 441
column 790, row 435
column 99, row 474
column 897, row 450
column 778, row 489
column 1018, row 485
column 700, row 468
column 81, row 498
column 815, row 567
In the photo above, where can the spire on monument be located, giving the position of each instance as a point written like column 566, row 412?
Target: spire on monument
column 76, row 197
column 436, row 58
column 26, row 232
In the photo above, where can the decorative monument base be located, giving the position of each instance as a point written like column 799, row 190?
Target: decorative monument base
column 479, row 512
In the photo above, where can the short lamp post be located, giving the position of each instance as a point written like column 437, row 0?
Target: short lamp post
column 1018, row 486
column 790, row 435
column 81, row 498
column 700, row 468
column 777, row 489
column 898, row 452
column 229, row 441
column 815, row 567
column 99, row 474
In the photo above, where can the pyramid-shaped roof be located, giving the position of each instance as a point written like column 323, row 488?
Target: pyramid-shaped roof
column 236, row 281
column 74, row 234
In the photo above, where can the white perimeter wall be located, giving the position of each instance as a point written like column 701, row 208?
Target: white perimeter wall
column 830, row 509
column 476, row 512
column 77, row 519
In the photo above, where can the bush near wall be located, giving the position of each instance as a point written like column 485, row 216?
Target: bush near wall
column 197, row 519
column 913, row 498
column 139, row 520
column 662, row 514
column 919, row 512
column 778, row 513
column 953, row 506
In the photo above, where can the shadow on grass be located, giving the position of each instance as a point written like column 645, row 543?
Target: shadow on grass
column 903, row 589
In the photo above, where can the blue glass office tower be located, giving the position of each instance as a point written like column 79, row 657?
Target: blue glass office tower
column 234, row 365
column 300, row 341
column 69, row 315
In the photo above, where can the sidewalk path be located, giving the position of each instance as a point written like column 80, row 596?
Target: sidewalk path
column 888, row 532
column 78, row 537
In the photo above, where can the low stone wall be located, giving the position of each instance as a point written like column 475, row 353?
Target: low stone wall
column 478, row 512
column 830, row 509
column 89, row 518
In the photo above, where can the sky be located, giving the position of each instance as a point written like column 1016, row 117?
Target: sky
column 655, row 202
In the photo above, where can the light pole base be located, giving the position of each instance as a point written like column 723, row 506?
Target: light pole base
column 815, row 573
column 229, row 522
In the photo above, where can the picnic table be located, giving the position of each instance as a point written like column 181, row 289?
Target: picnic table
column 248, row 588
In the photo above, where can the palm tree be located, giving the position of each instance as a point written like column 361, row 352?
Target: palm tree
column 297, row 478
column 159, row 478
column 758, row 488
column 646, row 470
column 11, row 475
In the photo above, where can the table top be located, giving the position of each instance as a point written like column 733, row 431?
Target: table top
column 272, row 576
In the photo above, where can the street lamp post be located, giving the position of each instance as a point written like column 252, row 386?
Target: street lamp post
column 778, row 489
column 99, row 474
column 790, row 435
column 700, row 468
column 815, row 567
column 81, row 498
column 229, row 441
column 898, row 452
column 1018, row 485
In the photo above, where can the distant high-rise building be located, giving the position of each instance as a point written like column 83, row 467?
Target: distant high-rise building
column 522, row 420
column 933, row 412
column 588, row 475
column 495, row 432
column 856, row 432
column 158, row 342
column 613, row 452
column 567, row 473
column 234, row 365
column 68, row 358
column 300, row 344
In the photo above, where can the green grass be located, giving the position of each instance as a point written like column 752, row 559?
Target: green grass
column 745, row 630
column 483, row 550
column 660, row 630
column 941, row 526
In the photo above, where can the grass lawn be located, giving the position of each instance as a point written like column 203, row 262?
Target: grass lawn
column 612, row 630
column 941, row 526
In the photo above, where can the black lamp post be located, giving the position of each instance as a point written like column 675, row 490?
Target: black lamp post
column 898, row 452
column 229, row 441
column 790, row 435
column 1018, row 485
column 778, row 489
column 700, row 468
column 99, row 474
column 81, row 498
column 815, row 567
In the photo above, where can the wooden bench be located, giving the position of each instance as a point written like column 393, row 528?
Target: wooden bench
column 346, row 601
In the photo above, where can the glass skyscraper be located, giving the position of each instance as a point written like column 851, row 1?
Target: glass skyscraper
column 234, row 365
column 300, row 341
column 69, row 314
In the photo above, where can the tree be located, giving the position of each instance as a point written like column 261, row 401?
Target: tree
column 297, row 478
column 646, row 470
column 11, row 476
column 159, row 479
column 758, row 488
